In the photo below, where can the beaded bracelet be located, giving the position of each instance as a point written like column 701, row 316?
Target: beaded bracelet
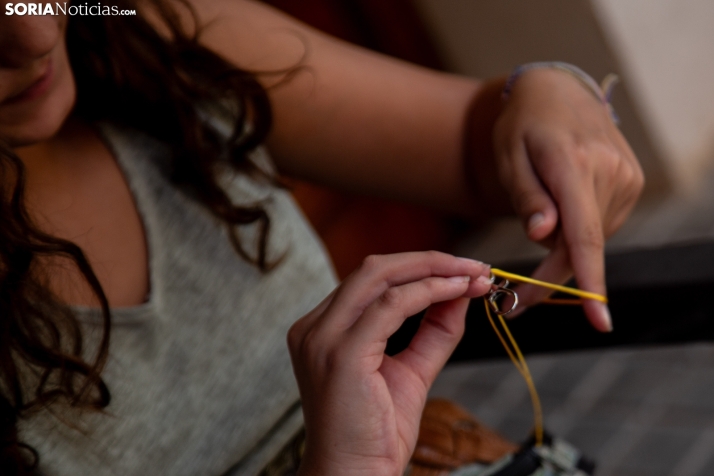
column 602, row 91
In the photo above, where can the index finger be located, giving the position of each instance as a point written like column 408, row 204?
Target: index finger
column 585, row 241
column 378, row 273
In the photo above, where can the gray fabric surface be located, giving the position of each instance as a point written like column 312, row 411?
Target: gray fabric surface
column 636, row 412
column 200, row 375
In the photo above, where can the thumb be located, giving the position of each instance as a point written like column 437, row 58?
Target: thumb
column 531, row 201
column 440, row 331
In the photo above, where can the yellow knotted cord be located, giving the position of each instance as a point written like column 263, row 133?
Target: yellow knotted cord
column 514, row 352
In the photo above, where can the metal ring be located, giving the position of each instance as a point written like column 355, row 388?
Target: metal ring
column 495, row 295
column 502, row 284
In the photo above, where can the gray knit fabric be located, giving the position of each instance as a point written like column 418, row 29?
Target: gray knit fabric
column 200, row 376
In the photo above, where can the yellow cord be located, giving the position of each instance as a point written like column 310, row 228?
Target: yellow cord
column 555, row 287
column 520, row 363
column 514, row 352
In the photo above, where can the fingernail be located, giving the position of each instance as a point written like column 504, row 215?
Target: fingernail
column 471, row 261
column 483, row 280
column 460, row 279
column 535, row 221
column 605, row 317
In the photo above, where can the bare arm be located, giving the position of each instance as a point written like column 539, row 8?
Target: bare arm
column 352, row 118
column 363, row 122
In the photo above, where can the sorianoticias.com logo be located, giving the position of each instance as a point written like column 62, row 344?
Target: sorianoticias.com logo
column 57, row 8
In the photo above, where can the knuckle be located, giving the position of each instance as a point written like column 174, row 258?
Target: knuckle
column 592, row 239
column 589, row 156
column 371, row 263
column 571, row 148
column 430, row 286
column 295, row 337
column 432, row 255
column 632, row 181
column 617, row 162
column 633, row 188
column 584, row 158
column 564, row 148
column 392, row 298
column 312, row 349
column 607, row 152
column 310, row 341
column 628, row 179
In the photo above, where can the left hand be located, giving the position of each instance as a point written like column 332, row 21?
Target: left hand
column 571, row 176
column 362, row 408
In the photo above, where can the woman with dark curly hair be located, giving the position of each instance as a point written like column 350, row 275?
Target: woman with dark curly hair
column 151, row 265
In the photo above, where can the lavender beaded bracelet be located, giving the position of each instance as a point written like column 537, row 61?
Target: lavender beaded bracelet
column 602, row 91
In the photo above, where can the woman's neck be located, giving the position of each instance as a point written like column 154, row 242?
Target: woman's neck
column 75, row 190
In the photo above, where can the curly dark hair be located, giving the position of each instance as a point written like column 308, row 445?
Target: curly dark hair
column 122, row 66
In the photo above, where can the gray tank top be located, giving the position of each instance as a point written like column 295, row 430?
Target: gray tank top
column 200, row 376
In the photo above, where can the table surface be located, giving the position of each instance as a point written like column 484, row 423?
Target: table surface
column 636, row 411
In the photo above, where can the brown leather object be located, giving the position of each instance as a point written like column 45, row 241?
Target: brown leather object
column 449, row 437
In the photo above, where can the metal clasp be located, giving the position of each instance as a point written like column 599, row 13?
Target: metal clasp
column 497, row 293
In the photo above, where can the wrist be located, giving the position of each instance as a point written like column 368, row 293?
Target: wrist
column 602, row 92
column 479, row 160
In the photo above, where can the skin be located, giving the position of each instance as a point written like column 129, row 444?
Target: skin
column 75, row 189
column 361, row 122
column 31, row 46
column 338, row 357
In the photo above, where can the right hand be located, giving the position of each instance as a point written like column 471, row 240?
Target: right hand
column 572, row 178
column 362, row 408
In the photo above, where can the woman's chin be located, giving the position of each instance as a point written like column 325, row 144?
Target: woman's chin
column 30, row 134
column 33, row 123
column 33, row 136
